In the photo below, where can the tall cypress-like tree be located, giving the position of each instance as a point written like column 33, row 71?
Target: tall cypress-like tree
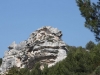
column 0, row 61
column 91, row 12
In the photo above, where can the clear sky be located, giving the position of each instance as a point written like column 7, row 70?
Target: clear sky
column 18, row 18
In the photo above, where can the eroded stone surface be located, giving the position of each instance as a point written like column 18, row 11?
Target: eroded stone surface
column 44, row 46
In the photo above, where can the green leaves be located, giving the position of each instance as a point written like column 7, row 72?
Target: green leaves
column 0, row 61
column 91, row 13
column 97, row 71
column 90, row 45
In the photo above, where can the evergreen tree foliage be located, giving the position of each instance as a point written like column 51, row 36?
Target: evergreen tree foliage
column 97, row 71
column 45, row 70
column 36, row 70
column 90, row 45
column 91, row 12
column 0, row 61
column 13, row 71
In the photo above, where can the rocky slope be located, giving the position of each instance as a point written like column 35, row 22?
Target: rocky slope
column 44, row 46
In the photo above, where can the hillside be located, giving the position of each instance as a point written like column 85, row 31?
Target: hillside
column 79, row 61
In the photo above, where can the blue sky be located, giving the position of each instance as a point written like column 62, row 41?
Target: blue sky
column 18, row 18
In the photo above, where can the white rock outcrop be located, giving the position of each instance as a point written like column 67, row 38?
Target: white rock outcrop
column 44, row 46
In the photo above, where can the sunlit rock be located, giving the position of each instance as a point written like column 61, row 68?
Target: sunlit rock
column 44, row 45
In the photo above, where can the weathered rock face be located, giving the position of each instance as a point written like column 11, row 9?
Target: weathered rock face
column 44, row 46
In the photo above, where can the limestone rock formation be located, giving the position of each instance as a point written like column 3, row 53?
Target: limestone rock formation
column 44, row 46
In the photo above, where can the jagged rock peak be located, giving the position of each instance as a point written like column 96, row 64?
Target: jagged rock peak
column 44, row 45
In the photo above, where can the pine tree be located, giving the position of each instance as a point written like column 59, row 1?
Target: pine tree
column 90, row 45
column 91, row 13
column 0, row 61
